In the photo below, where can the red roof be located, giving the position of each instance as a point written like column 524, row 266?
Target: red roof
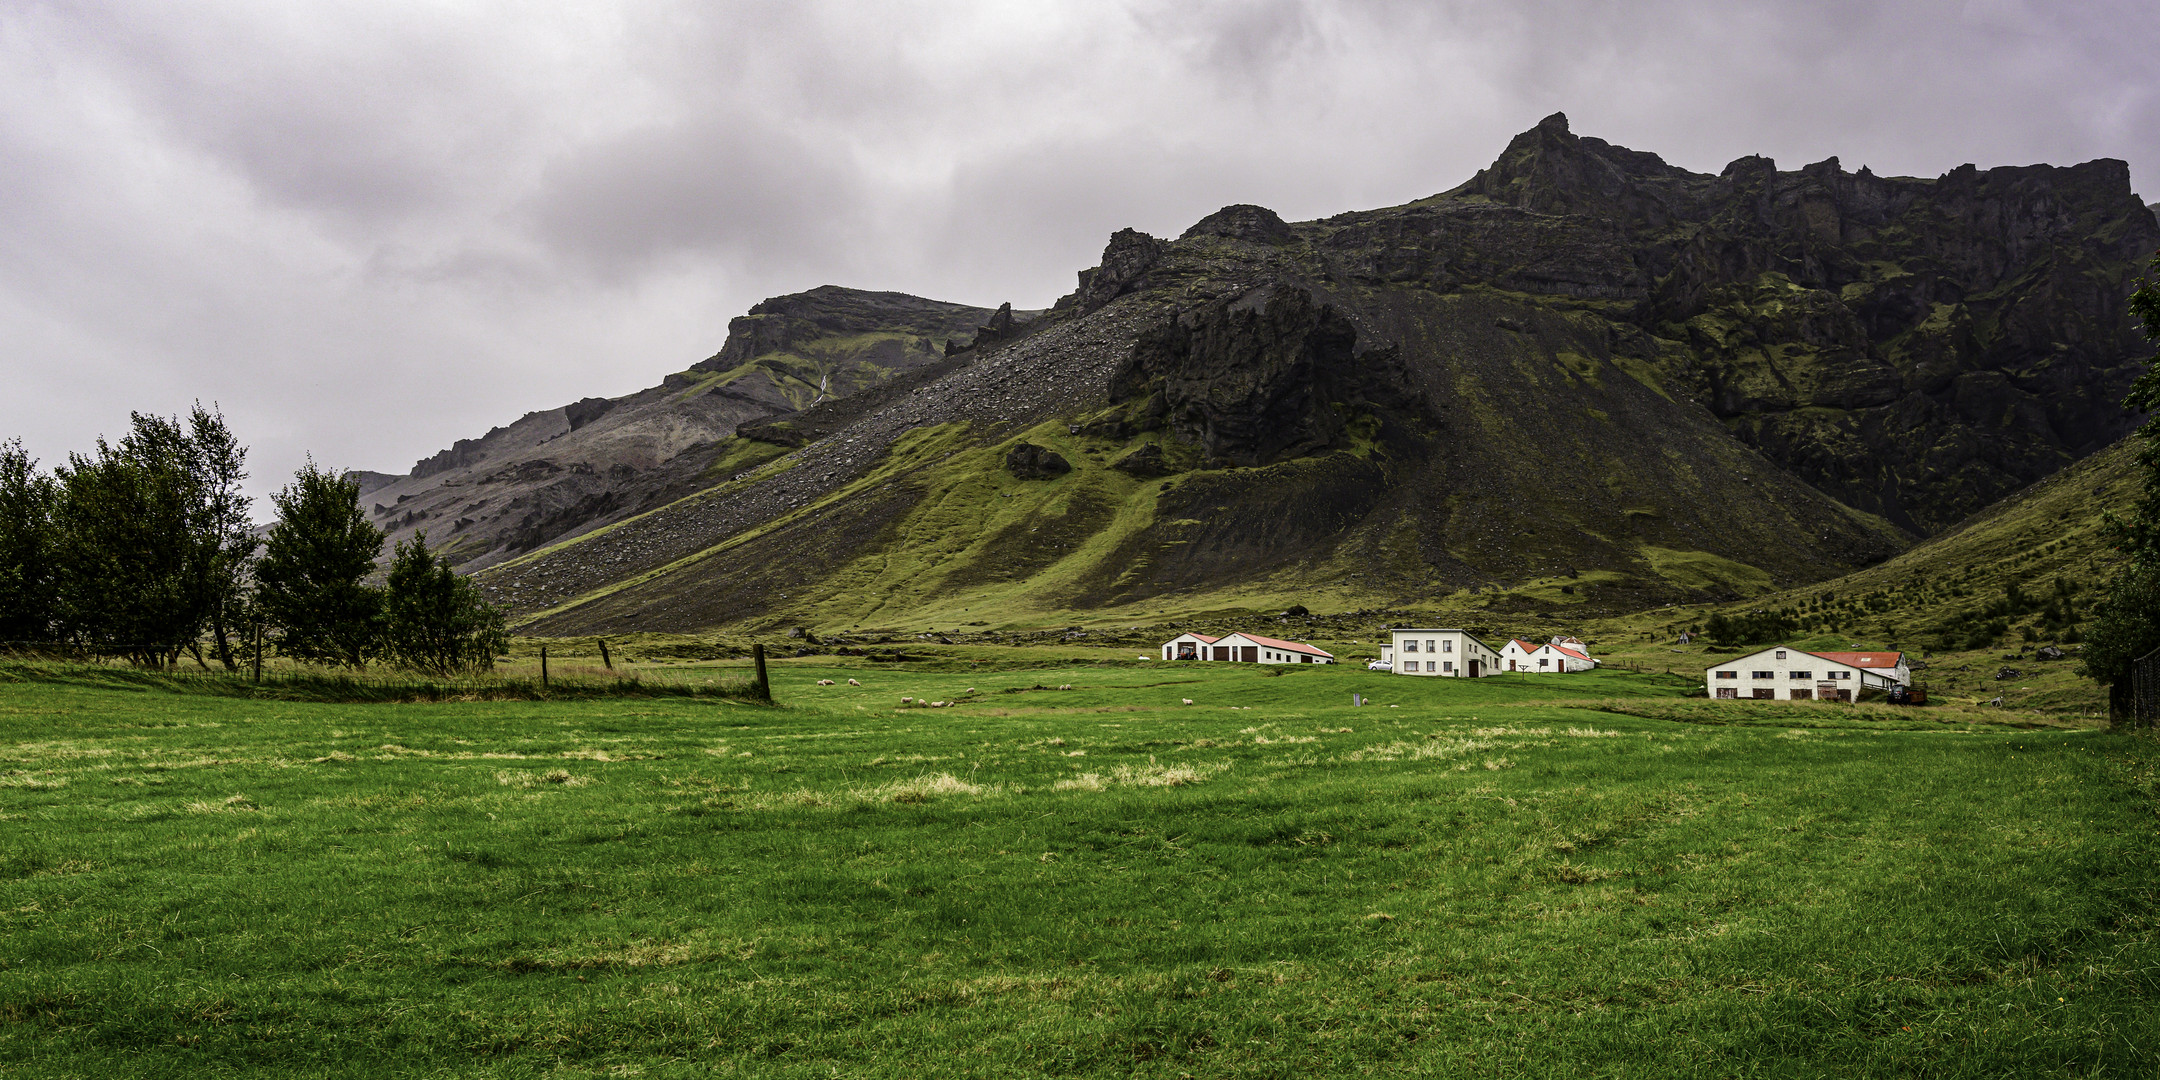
column 1202, row 638
column 1863, row 659
column 1571, row 652
column 1523, row 645
column 1293, row 646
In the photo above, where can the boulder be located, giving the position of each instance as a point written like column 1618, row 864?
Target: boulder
column 2049, row 652
column 1031, row 462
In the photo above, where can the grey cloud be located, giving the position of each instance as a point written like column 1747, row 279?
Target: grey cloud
column 371, row 228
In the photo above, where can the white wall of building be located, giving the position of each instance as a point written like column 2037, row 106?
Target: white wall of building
column 1450, row 653
column 1781, row 674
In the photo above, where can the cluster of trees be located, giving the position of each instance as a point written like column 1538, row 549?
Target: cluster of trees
column 2125, row 623
column 145, row 549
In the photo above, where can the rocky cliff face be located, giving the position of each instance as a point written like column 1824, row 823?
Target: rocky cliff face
column 1583, row 377
column 560, row 472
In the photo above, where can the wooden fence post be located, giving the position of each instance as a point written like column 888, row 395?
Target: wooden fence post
column 543, row 667
column 604, row 660
column 764, row 684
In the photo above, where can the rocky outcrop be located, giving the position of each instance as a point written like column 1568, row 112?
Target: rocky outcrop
column 1258, row 378
column 1031, row 462
column 1126, row 261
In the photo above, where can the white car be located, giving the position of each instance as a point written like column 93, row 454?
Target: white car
column 1379, row 665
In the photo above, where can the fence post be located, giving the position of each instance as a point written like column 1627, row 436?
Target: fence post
column 604, row 660
column 764, row 684
column 543, row 667
column 258, row 651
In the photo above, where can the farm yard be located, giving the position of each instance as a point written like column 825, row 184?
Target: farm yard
column 1588, row 875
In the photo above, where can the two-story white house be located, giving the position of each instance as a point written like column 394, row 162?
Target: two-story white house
column 1452, row 653
column 1561, row 654
column 1783, row 673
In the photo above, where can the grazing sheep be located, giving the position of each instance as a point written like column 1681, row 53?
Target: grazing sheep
column 1188, row 701
column 824, row 682
column 852, row 682
column 907, row 701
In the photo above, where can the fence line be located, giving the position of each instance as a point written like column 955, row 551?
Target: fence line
column 2145, row 689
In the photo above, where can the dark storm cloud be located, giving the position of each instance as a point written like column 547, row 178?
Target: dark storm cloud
column 370, row 228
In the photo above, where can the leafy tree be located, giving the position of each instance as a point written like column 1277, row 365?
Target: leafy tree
column 2125, row 623
column 311, row 581
column 26, row 543
column 151, row 540
column 434, row 618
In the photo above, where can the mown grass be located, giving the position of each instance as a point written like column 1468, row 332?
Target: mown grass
column 1501, row 878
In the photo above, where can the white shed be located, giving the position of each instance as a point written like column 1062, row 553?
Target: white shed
column 1192, row 647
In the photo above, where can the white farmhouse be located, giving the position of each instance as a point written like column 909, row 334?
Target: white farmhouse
column 1556, row 656
column 1783, row 673
column 1452, row 653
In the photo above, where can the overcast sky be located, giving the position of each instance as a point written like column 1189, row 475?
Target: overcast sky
column 366, row 229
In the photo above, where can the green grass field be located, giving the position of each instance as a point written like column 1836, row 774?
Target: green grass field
column 1500, row 878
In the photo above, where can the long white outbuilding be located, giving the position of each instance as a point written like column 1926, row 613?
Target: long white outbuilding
column 1783, row 673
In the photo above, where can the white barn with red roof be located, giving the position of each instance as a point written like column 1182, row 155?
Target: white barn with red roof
column 1245, row 649
column 1783, row 673
column 1254, row 649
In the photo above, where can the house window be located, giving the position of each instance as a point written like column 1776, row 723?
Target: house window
column 1764, row 693
column 1802, row 695
column 1429, row 645
column 1449, row 666
column 1762, row 674
column 1728, row 674
column 1799, row 674
column 1727, row 692
column 1781, row 654
column 1447, row 646
column 1841, row 674
column 1410, row 646
column 1544, row 663
column 1428, row 665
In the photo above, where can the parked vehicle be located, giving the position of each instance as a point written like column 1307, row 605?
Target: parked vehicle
column 1379, row 665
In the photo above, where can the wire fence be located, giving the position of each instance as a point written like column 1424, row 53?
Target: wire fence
column 2145, row 689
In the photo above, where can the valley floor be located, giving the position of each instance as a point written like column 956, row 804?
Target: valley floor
column 1494, row 878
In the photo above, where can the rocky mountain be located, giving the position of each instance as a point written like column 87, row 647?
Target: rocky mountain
column 560, row 472
column 1583, row 377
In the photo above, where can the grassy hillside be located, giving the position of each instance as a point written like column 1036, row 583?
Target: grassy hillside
column 1977, row 600
column 1070, row 872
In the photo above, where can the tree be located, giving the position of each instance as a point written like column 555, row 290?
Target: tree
column 434, row 617
column 26, row 542
column 2126, row 621
column 311, row 581
column 150, row 538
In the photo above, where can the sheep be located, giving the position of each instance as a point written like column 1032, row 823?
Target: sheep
column 852, row 682
column 1188, row 701
column 824, row 682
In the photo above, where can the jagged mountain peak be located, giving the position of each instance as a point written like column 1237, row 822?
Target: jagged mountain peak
column 1585, row 376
